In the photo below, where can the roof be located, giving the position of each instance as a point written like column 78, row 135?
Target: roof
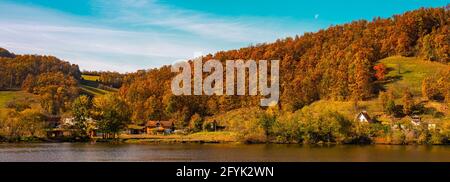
column 364, row 113
column 135, row 127
column 53, row 118
column 165, row 124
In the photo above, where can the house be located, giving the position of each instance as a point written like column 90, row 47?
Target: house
column 364, row 117
column 59, row 133
column 416, row 120
column 153, row 127
column 136, row 129
column 53, row 121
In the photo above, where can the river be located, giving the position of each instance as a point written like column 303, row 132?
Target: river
column 61, row 152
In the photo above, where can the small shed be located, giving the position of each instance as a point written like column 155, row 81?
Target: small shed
column 58, row 133
column 364, row 117
column 415, row 120
column 135, row 129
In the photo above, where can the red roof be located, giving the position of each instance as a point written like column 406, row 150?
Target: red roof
column 164, row 124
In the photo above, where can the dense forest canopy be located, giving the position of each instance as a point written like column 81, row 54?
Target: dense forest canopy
column 54, row 80
column 14, row 70
column 336, row 63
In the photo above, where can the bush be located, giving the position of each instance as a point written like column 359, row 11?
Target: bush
column 445, row 130
column 423, row 137
column 436, row 138
column 245, row 122
column 326, row 127
column 196, row 123
column 410, row 137
column 397, row 137
column 266, row 121
column 287, row 129
column 17, row 125
column 19, row 104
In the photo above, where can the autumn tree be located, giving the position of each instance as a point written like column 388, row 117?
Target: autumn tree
column 408, row 102
column 387, row 101
column 380, row 71
column 81, row 109
column 56, row 91
column 361, row 86
column 112, row 114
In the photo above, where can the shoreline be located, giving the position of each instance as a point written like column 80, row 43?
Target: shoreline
column 190, row 140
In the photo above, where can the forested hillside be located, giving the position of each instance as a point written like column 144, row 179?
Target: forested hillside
column 14, row 69
column 335, row 64
column 53, row 80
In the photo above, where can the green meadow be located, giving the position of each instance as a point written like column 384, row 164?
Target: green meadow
column 410, row 71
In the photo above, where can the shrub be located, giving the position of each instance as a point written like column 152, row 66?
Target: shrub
column 287, row 129
column 423, row 137
column 245, row 122
column 196, row 123
column 397, row 137
column 266, row 121
column 326, row 127
column 436, row 138
column 410, row 137
column 19, row 104
column 445, row 130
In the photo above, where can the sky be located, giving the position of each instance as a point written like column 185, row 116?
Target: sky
column 127, row 35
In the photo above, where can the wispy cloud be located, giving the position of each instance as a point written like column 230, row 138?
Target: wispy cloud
column 148, row 13
column 131, row 34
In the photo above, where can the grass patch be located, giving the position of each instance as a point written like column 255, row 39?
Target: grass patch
column 6, row 96
column 200, row 137
column 373, row 107
column 94, row 78
column 221, row 136
column 92, row 90
column 410, row 71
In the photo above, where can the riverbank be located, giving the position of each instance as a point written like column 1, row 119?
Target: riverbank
column 200, row 137
column 222, row 137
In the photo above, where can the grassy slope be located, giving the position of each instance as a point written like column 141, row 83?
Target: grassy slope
column 412, row 72
column 92, row 90
column 90, row 86
column 6, row 96
column 90, row 77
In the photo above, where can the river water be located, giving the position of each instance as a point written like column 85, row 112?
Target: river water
column 61, row 152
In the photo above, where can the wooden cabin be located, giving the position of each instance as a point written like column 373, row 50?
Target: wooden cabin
column 136, row 129
column 154, row 127
column 59, row 133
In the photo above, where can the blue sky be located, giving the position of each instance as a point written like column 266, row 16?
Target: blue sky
column 126, row 35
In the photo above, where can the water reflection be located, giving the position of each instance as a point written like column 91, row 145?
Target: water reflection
column 220, row 152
